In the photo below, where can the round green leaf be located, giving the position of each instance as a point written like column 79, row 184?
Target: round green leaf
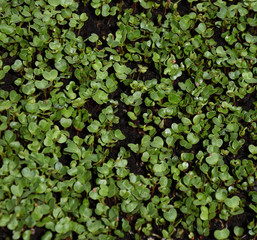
column 105, row 10
column 204, row 213
column 78, row 187
column 26, row 235
column 54, row 3
column 17, row 190
column 184, row 22
column 252, row 149
column 131, row 206
column 32, row 107
column 221, row 234
column 171, row 215
column 104, row 190
column 63, row 226
column 160, row 168
column 221, row 194
column 47, row 236
column 238, row 231
column 50, row 76
column 61, row 65
column 157, row 142
column 94, row 126
column 17, row 65
column 213, row 158
column 192, row 138
column 66, row 122
column 28, row 88
column 118, row 134
column 201, row 28
column 232, row 202
column 93, row 37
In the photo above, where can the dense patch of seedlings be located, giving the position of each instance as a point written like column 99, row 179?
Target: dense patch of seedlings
column 128, row 119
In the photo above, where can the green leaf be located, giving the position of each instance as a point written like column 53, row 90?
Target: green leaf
column 105, row 10
column 5, row 105
column 204, row 213
column 232, row 202
column 94, row 126
column 186, row 121
column 78, row 228
column 232, row 127
column 73, row 148
column 252, row 149
column 78, row 102
column 17, row 65
column 42, row 84
column 4, row 220
column 39, row 211
column 174, row 98
column 93, row 37
column 83, row 17
column 185, row 22
column 221, row 194
column 131, row 206
column 104, row 190
column 220, row 51
column 66, row 3
column 217, row 142
column 28, row 88
column 50, row 76
column 156, row 57
column 100, row 97
column 54, row 3
column 26, row 235
column 66, row 122
column 67, row 112
column 47, row 236
column 157, row 142
column 171, row 215
column 55, row 45
column 41, row 188
column 192, row 138
column 7, row 29
column 61, row 65
column 213, row 158
column 250, row 39
column 97, row 65
column 238, row 231
column 118, row 134
column 2, row 74
column 94, row 226
column 125, row 225
column 15, row 18
column 12, row 225
column 79, row 187
column 45, row 105
column 63, row 226
column 32, row 107
column 160, row 169
column 9, row 136
column 17, row 190
column 253, row 207
column 132, row 116
column 201, row 28
column 221, row 234
column 133, row 147
column 134, row 35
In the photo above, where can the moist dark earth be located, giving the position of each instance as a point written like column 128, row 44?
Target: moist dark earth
column 102, row 27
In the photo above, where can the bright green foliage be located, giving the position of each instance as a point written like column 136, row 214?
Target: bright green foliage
column 140, row 118
column 221, row 234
